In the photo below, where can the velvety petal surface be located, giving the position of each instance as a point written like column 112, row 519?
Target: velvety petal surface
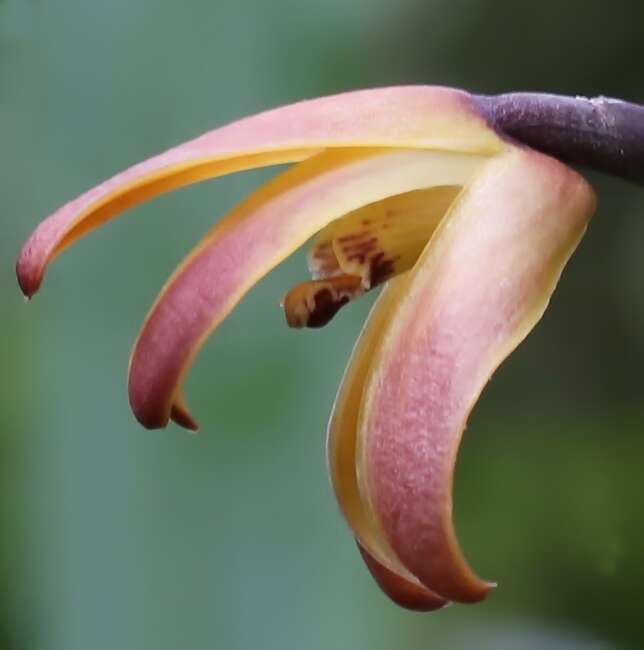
column 256, row 236
column 478, row 289
column 392, row 577
column 414, row 116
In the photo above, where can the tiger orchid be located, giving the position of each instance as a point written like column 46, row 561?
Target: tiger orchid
column 462, row 206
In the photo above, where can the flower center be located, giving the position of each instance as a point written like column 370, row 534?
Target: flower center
column 363, row 249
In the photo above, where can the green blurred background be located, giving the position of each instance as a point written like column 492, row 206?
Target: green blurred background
column 116, row 537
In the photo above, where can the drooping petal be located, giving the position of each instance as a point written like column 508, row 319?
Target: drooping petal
column 415, row 116
column 403, row 592
column 256, row 236
column 478, row 289
column 393, row 578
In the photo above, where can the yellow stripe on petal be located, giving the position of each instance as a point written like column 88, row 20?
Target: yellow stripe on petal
column 421, row 116
column 256, row 236
column 342, row 448
column 478, row 289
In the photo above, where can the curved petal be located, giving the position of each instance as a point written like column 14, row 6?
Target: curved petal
column 478, row 289
column 392, row 577
column 404, row 593
column 420, row 116
column 252, row 239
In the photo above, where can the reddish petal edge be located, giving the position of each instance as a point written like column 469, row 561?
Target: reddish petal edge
column 401, row 591
column 255, row 237
column 480, row 286
column 180, row 414
column 406, row 116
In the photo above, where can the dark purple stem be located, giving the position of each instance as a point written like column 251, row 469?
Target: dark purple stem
column 602, row 133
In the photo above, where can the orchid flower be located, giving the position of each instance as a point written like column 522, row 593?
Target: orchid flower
column 462, row 206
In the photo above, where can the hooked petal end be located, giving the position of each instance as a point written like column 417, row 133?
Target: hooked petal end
column 180, row 414
column 146, row 406
column 401, row 591
column 28, row 272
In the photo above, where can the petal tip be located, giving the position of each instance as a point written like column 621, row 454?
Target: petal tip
column 150, row 423
column 180, row 415
column 478, row 594
column 402, row 592
column 146, row 410
column 152, row 417
column 29, row 276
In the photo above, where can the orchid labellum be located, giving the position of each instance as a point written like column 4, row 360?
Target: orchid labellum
column 462, row 206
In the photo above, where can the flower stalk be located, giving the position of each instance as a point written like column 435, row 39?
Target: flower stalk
column 600, row 133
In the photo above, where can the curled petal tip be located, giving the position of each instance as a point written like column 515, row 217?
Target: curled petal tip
column 401, row 591
column 146, row 408
column 181, row 416
column 29, row 278
column 178, row 414
column 149, row 403
column 149, row 422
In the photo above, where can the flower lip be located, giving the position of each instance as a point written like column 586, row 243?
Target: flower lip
column 315, row 303
column 364, row 249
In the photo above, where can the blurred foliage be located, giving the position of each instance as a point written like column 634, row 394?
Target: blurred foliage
column 115, row 537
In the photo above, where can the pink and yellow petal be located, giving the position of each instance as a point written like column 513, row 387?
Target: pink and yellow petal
column 418, row 117
column 393, row 578
column 256, row 236
column 478, row 289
